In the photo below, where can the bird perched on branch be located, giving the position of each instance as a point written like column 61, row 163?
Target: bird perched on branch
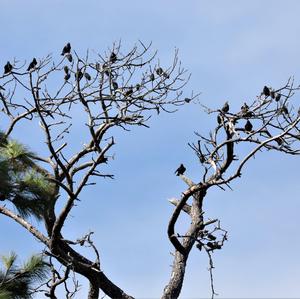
column 180, row 170
column 248, row 126
column 66, row 49
column 113, row 57
column 159, row 71
column 8, row 68
column 32, row 64
column 277, row 98
column 225, row 108
column 244, row 108
column 69, row 57
column 266, row 91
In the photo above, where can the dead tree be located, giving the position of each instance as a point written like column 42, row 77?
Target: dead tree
column 105, row 92
column 269, row 123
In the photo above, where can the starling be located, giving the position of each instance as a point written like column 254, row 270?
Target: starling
column 225, row 108
column 279, row 140
column 266, row 91
column 180, row 170
column 152, row 77
column 278, row 96
column 8, row 68
column 248, row 126
column 272, row 94
column 211, row 237
column 187, row 100
column 66, row 49
column 87, row 76
column 219, row 119
column 129, row 92
column 159, row 71
column 284, row 110
column 138, row 87
column 244, row 108
column 69, row 57
column 78, row 75
column 115, row 85
column 202, row 159
column 113, row 57
column 66, row 69
column 67, row 76
column 32, row 64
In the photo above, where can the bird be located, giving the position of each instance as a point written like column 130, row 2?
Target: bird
column 115, row 85
column 87, row 76
column 180, row 170
column 248, row 126
column 219, row 119
column 272, row 94
column 266, row 91
column 129, row 92
column 67, row 76
column 66, row 49
column 159, row 71
column 187, row 100
column 69, row 57
column 244, row 108
column 138, row 87
column 66, row 69
column 284, row 110
column 78, row 75
column 32, row 64
column 113, row 57
column 225, row 108
column 277, row 98
column 152, row 77
column 8, row 68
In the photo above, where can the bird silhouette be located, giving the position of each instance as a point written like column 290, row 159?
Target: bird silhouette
column 248, row 126
column 225, row 108
column 219, row 119
column 129, row 92
column 69, row 57
column 67, row 76
column 152, row 77
column 180, row 170
column 66, row 49
column 87, row 76
column 66, row 69
column 277, row 98
column 32, row 64
column 115, row 85
column 159, row 71
column 78, row 75
column 244, row 108
column 266, row 91
column 8, row 68
column 113, row 57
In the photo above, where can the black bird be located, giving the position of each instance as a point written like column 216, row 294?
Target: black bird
column 244, row 108
column 187, row 100
column 266, row 91
column 129, row 92
column 279, row 140
column 66, row 69
column 138, row 87
column 69, row 57
column 277, row 98
column 159, row 71
column 180, row 170
column 32, row 64
column 79, row 75
column 248, row 126
column 219, row 119
column 8, row 68
column 284, row 110
column 152, row 77
column 272, row 94
column 66, row 49
column 87, row 76
column 67, row 76
column 113, row 57
column 115, row 85
column 225, row 108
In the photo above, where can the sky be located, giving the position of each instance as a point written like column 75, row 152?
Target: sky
column 232, row 49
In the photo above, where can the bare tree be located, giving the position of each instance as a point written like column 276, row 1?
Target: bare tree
column 107, row 92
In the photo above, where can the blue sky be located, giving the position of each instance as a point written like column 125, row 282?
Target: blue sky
column 232, row 49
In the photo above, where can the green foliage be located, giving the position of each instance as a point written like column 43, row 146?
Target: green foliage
column 20, row 182
column 17, row 282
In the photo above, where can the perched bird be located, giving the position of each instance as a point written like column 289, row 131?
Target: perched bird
column 115, row 85
column 66, row 69
column 284, row 110
column 279, row 140
column 67, row 76
column 129, row 92
column 202, row 158
column 78, row 75
column 225, row 108
column 244, row 108
column 138, row 87
column 277, row 98
column 180, row 170
column 266, row 91
column 159, row 71
column 87, row 76
column 272, row 94
column 8, row 68
column 187, row 100
column 219, row 119
column 248, row 126
column 152, row 77
column 69, row 57
column 32, row 64
column 66, row 49
column 113, row 57
column 211, row 237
